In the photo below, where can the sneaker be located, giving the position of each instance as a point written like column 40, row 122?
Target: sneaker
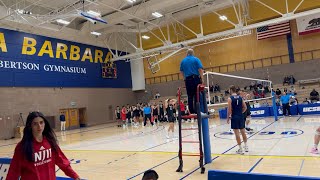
column 314, row 151
column 249, row 129
column 168, row 137
column 246, row 148
column 240, row 151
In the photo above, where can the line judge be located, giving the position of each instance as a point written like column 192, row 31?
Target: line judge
column 192, row 71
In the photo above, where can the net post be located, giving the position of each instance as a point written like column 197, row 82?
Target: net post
column 205, row 130
column 274, row 105
column 208, row 87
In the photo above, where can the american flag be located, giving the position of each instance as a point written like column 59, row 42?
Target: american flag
column 265, row 32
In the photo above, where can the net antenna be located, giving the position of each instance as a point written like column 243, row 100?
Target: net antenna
column 207, row 75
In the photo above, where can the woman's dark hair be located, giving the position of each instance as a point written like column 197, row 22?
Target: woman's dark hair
column 27, row 139
column 150, row 175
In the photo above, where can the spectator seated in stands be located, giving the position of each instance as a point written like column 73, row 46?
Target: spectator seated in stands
column 260, row 89
column 306, row 101
column 253, row 85
column 226, row 93
column 157, row 96
column 293, row 101
column 286, row 80
column 292, row 80
column 314, row 95
column 217, row 88
column 278, row 92
column 293, row 90
column 258, row 94
column 211, row 88
column 256, row 104
column 265, row 104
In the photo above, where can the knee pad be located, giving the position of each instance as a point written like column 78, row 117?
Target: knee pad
column 317, row 133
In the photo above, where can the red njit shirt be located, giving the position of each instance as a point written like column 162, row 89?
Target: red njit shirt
column 43, row 168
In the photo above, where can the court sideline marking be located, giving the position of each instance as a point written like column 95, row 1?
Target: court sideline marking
column 231, row 148
column 212, row 159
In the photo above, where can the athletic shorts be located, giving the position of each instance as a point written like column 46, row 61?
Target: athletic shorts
column 171, row 119
column 237, row 122
column 128, row 115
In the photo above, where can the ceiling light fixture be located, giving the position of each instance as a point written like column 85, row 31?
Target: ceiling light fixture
column 95, row 33
column 223, row 18
column 145, row 37
column 131, row 1
column 93, row 13
column 156, row 14
column 61, row 21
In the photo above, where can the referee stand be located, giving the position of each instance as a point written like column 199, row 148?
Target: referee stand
column 203, row 130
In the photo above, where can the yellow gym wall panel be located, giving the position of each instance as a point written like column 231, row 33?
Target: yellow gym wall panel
column 302, row 43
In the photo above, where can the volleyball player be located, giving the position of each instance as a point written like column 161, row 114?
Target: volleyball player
column 314, row 149
column 155, row 113
column 117, row 114
column 136, row 115
column 161, row 112
column 170, row 107
column 246, row 115
column 236, row 108
column 123, row 116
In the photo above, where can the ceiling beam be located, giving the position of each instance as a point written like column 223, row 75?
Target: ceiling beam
column 214, row 35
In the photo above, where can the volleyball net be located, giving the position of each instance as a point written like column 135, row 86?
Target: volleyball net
column 258, row 92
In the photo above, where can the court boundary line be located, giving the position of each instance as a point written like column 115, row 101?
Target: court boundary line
column 86, row 129
column 166, row 143
column 255, row 165
column 191, row 153
column 301, row 166
column 231, row 148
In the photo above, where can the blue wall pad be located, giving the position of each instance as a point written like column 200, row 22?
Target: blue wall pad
column 228, row 175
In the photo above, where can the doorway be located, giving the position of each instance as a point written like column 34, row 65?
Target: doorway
column 83, row 117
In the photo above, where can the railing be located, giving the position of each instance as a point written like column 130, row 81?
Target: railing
column 257, row 63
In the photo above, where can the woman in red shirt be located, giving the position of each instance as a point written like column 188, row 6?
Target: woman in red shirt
column 124, row 115
column 36, row 155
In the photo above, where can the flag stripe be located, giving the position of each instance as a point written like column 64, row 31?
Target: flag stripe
column 273, row 30
column 276, row 32
column 279, row 29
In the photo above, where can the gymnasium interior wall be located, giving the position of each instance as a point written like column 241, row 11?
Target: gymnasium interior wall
column 100, row 102
column 241, row 49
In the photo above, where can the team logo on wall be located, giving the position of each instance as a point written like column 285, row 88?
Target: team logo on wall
column 109, row 70
column 263, row 135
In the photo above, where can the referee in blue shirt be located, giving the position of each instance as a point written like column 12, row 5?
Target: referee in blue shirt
column 285, row 98
column 192, row 70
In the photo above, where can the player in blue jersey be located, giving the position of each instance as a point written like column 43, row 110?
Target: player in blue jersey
column 236, row 108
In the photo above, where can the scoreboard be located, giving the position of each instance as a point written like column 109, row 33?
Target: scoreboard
column 109, row 70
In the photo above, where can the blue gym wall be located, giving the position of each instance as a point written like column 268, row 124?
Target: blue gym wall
column 14, row 77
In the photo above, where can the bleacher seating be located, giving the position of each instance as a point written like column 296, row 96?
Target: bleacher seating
column 309, row 81
column 303, row 92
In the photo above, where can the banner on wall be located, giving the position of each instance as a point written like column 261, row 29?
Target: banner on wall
column 308, row 24
column 28, row 60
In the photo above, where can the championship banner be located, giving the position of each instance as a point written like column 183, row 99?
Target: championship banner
column 308, row 24
column 28, row 60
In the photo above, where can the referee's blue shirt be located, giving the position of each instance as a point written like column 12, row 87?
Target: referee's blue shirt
column 147, row 110
column 190, row 65
column 285, row 99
